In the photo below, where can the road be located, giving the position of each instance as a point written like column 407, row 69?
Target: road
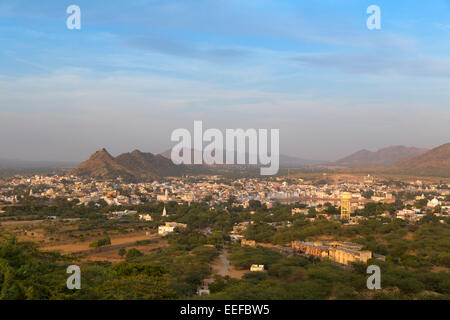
column 225, row 264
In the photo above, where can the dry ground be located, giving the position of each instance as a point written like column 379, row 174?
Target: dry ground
column 83, row 246
column 113, row 255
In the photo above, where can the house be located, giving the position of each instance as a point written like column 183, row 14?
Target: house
column 433, row 203
column 170, row 227
column 145, row 217
column 123, row 213
column 203, row 289
column 236, row 237
column 257, row 268
column 250, row 243
column 241, row 227
column 409, row 215
column 298, row 210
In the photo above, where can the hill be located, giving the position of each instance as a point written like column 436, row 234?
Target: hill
column 137, row 165
column 285, row 160
column 433, row 162
column 384, row 157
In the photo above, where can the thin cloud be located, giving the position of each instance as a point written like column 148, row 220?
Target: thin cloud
column 176, row 47
column 378, row 63
column 445, row 27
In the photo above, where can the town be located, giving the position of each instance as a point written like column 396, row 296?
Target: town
column 217, row 190
column 244, row 227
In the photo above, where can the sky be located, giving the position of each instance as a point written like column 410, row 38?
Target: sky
column 137, row 70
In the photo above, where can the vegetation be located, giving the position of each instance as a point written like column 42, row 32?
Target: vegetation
column 100, row 243
column 416, row 266
column 299, row 277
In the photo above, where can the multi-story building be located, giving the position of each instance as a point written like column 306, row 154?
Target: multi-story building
column 346, row 198
column 337, row 251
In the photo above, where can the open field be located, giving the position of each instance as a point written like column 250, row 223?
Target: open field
column 84, row 246
column 113, row 255
column 19, row 222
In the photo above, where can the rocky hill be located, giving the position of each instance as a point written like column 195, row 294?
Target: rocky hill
column 136, row 164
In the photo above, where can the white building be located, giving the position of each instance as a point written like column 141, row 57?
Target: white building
column 257, row 268
column 170, row 227
column 433, row 203
column 123, row 213
column 145, row 217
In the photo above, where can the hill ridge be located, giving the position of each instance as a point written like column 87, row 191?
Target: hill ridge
column 384, row 157
column 135, row 164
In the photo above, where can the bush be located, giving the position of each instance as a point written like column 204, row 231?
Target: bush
column 133, row 253
column 100, row 243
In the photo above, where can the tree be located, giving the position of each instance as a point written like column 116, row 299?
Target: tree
column 260, row 232
column 133, row 253
column 254, row 204
column 367, row 194
column 231, row 200
column 122, row 252
column 100, row 243
column 420, row 204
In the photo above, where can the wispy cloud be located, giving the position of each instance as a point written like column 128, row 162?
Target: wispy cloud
column 148, row 66
column 445, row 27
column 180, row 48
column 378, row 63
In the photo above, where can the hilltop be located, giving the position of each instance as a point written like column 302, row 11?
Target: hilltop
column 135, row 164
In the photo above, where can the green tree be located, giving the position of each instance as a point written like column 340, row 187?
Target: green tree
column 132, row 254
column 122, row 252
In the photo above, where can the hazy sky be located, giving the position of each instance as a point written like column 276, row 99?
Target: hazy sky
column 139, row 69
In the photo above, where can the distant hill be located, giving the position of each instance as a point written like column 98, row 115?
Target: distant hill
column 28, row 164
column 136, row 164
column 384, row 157
column 284, row 159
column 289, row 161
column 433, row 162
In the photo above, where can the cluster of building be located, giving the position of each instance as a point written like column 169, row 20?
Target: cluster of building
column 217, row 190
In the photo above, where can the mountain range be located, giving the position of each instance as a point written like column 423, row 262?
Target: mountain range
column 284, row 159
column 140, row 165
column 434, row 162
column 384, row 157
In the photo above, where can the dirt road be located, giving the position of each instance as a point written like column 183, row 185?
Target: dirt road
column 222, row 267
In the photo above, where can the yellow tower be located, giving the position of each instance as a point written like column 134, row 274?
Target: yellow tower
column 346, row 198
